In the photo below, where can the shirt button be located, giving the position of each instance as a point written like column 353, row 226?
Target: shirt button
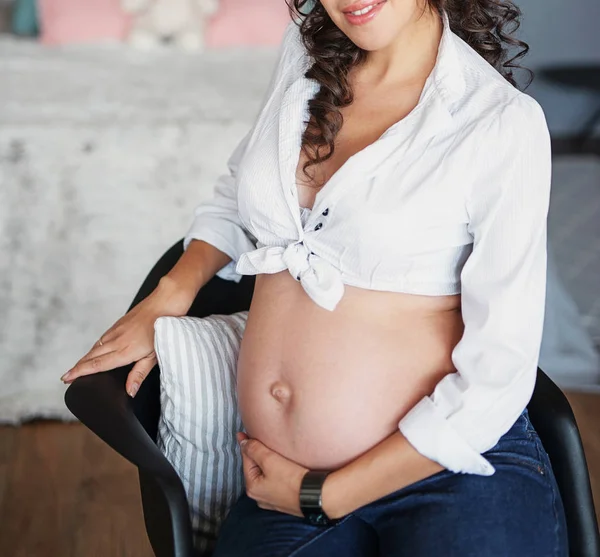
column 319, row 226
column 325, row 212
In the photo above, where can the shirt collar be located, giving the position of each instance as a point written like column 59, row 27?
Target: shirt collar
column 444, row 85
column 447, row 75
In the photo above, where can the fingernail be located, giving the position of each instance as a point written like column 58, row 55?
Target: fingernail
column 133, row 390
column 66, row 375
column 243, row 442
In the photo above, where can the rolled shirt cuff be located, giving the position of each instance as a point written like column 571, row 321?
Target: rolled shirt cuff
column 430, row 433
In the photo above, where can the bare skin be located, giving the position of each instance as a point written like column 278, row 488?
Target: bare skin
column 322, row 387
column 326, row 389
column 131, row 338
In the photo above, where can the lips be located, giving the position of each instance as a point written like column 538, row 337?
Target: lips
column 361, row 5
column 371, row 9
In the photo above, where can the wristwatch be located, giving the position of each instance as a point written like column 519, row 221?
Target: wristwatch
column 310, row 498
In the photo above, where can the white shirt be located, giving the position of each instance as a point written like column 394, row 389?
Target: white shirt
column 451, row 199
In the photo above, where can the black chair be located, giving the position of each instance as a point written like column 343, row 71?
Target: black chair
column 129, row 426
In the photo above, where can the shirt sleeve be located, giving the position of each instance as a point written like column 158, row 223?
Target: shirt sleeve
column 216, row 220
column 503, row 286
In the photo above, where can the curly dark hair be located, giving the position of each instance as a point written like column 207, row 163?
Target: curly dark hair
column 480, row 23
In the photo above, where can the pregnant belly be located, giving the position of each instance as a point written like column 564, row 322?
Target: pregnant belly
column 322, row 387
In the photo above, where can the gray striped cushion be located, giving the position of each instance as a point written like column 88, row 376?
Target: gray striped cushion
column 199, row 418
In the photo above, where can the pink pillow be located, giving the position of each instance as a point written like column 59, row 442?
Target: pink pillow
column 81, row 21
column 248, row 22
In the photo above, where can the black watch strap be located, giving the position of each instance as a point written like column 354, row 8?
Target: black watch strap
column 310, row 498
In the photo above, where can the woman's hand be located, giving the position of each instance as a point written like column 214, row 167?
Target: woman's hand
column 272, row 480
column 131, row 338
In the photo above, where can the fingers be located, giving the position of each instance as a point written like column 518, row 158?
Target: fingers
column 257, row 452
column 251, row 469
column 98, row 359
column 106, row 338
column 125, row 342
column 138, row 373
column 91, row 362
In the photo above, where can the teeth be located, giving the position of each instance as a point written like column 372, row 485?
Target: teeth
column 364, row 10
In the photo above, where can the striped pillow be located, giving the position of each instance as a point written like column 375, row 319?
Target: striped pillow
column 199, row 418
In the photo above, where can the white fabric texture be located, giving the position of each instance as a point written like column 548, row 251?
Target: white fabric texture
column 451, row 199
column 197, row 358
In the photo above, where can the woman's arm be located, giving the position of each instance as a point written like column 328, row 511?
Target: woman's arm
column 216, row 225
column 389, row 466
column 197, row 265
column 274, row 482
column 211, row 246
column 503, row 286
column 216, row 221
column 502, row 299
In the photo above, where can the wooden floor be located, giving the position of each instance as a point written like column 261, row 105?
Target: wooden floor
column 63, row 493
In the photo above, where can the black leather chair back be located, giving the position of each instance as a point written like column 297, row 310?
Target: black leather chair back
column 553, row 419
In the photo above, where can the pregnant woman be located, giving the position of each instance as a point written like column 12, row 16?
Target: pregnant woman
column 391, row 198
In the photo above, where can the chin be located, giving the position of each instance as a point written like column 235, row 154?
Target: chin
column 377, row 34
column 370, row 41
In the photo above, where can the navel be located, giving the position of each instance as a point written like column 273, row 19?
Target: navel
column 281, row 392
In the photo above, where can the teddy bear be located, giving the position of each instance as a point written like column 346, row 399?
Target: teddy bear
column 182, row 21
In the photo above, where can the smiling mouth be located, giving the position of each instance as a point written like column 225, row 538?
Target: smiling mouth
column 365, row 10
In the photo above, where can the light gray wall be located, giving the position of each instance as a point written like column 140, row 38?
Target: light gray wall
column 561, row 32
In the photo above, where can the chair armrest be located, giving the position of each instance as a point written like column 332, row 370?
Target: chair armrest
column 129, row 426
column 100, row 402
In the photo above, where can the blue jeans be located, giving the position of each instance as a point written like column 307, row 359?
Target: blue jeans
column 516, row 512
